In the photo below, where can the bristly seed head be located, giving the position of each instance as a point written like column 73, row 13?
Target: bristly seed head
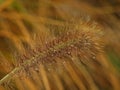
column 82, row 42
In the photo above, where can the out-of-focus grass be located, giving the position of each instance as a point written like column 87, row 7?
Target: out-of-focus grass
column 20, row 20
column 1, row 1
column 115, row 59
column 17, row 6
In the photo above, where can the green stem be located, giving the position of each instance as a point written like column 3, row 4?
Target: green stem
column 8, row 76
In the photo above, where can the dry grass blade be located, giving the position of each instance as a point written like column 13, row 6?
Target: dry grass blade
column 5, row 4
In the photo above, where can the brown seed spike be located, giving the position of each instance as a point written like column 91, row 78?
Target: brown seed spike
column 82, row 42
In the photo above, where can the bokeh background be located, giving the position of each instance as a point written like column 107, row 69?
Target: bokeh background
column 21, row 20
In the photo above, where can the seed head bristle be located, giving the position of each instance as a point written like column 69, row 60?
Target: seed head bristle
column 82, row 43
column 79, row 42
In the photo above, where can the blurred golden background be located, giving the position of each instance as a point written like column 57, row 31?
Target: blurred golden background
column 22, row 21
